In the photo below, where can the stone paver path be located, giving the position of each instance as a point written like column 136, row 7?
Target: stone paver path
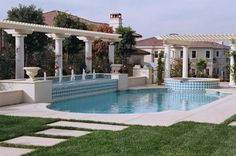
column 93, row 126
column 45, row 141
column 35, row 141
column 12, row 151
column 62, row 132
column 232, row 123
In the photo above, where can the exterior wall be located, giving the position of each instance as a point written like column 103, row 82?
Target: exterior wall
column 137, row 81
column 136, row 58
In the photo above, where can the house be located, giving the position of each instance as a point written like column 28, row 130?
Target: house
column 115, row 21
column 216, row 55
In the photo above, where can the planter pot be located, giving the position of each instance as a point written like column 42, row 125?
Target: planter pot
column 115, row 68
column 31, row 72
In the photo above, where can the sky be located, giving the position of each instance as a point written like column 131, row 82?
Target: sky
column 147, row 17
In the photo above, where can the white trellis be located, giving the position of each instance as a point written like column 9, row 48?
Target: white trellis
column 20, row 30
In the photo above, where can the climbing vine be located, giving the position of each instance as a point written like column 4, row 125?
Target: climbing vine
column 233, row 67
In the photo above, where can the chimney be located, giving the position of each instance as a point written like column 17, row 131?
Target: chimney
column 115, row 20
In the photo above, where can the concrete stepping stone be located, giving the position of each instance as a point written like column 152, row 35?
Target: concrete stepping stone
column 12, row 151
column 62, row 132
column 232, row 123
column 93, row 126
column 34, row 141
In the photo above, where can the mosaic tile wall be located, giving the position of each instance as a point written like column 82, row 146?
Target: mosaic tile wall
column 191, row 85
column 83, row 88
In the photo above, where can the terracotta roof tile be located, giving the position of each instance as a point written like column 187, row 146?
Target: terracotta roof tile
column 150, row 42
column 155, row 42
column 140, row 52
column 49, row 18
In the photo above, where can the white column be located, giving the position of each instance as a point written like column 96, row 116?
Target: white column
column 58, row 51
column 88, row 55
column 20, row 52
column 167, row 61
column 185, row 62
column 58, row 56
column 111, row 54
column 231, row 81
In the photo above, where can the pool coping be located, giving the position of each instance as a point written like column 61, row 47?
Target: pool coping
column 215, row 112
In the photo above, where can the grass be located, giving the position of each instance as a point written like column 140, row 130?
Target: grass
column 186, row 138
column 11, row 127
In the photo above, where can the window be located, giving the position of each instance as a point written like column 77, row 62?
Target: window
column 181, row 54
column 156, row 54
column 193, row 54
column 217, row 53
column 207, row 54
column 207, row 71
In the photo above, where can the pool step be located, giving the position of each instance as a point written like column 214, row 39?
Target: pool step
column 92, row 126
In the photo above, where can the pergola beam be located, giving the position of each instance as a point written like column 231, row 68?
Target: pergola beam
column 5, row 24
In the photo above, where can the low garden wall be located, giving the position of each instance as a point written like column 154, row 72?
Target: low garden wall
column 137, row 81
column 11, row 97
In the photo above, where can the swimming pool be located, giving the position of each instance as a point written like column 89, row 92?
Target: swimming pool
column 136, row 101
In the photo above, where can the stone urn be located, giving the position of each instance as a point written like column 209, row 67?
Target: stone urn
column 115, row 68
column 31, row 72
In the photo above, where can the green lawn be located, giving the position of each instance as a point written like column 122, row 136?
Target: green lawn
column 11, row 127
column 186, row 138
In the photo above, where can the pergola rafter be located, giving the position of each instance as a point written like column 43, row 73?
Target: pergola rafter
column 200, row 37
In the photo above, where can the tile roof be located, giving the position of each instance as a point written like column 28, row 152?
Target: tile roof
column 155, row 42
column 49, row 18
column 140, row 52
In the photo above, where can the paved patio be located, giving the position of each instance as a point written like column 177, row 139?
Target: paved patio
column 215, row 112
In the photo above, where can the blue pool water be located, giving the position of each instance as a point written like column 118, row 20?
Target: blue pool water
column 136, row 101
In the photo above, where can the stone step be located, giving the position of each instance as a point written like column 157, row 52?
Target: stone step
column 92, row 126
column 34, row 141
column 62, row 132
column 12, row 151
column 232, row 123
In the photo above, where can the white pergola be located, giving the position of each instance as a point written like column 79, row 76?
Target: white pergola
column 186, row 40
column 20, row 30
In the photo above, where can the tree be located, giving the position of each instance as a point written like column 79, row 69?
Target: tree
column 125, row 47
column 176, row 70
column 201, row 65
column 71, row 45
column 160, row 68
column 35, row 43
column 100, row 51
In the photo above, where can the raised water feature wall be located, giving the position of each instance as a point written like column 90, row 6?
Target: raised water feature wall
column 91, row 84
column 76, row 89
column 191, row 83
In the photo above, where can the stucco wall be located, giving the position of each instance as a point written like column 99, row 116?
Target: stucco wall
column 11, row 97
column 137, row 81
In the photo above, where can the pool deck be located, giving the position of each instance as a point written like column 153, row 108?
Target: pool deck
column 215, row 112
